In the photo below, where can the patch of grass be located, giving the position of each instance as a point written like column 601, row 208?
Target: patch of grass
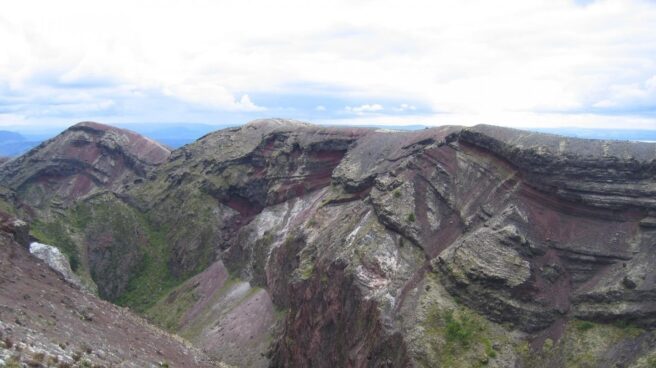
column 56, row 234
column 584, row 344
column 130, row 235
column 584, row 325
column 628, row 328
column 489, row 350
column 458, row 338
column 460, row 330
column 280, row 313
column 306, row 269
column 154, row 279
column 411, row 217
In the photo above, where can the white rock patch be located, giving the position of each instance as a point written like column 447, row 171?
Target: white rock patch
column 54, row 258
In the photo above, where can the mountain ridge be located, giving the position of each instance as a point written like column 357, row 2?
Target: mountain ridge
column 365, row 247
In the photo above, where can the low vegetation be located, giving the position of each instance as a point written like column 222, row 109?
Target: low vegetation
column 459, row 337
column 582, row 345
column 57, row 234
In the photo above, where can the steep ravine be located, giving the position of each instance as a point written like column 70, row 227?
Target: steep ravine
column 45, row 321
column 282, row 243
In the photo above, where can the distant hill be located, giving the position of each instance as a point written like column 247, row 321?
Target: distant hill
column 14, row 144
column 6, row 135
column 608, row 134
column 174, row 135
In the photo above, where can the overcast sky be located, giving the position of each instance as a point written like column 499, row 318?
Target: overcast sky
column 522, row 63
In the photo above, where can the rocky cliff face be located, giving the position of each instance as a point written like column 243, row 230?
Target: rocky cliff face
column 320, row 247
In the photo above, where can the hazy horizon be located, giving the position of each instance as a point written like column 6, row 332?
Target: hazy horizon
column 17, row 140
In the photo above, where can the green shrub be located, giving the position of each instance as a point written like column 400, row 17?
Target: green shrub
column 489, row 350
column 411, row 217
column 56, row 234
column 460, row 330
column 584, row 326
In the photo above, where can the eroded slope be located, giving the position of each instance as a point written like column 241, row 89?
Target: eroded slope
column 45, row 321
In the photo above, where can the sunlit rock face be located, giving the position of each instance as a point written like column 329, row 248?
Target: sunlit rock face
column 56, row 260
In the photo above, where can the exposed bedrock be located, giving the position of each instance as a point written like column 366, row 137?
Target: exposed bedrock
column 413, row 226
column 608, row 174
column 361, row 247
column 210, row 189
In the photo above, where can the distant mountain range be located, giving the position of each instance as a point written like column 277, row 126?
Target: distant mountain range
column 612, row 134
column 14, row 144
column 18, row 140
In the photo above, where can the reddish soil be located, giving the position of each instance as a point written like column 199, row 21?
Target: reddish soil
column 206, row 283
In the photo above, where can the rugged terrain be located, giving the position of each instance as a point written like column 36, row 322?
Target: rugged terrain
column 46, row 321
column 282, row 243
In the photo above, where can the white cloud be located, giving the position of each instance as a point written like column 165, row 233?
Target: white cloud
column 320, row 108
column 479, row 60
column 363, row 109
column 405, row 107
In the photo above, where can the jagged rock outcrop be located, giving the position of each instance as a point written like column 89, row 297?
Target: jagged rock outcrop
column 209, row 189
column 449, row 247
column 18, row 229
